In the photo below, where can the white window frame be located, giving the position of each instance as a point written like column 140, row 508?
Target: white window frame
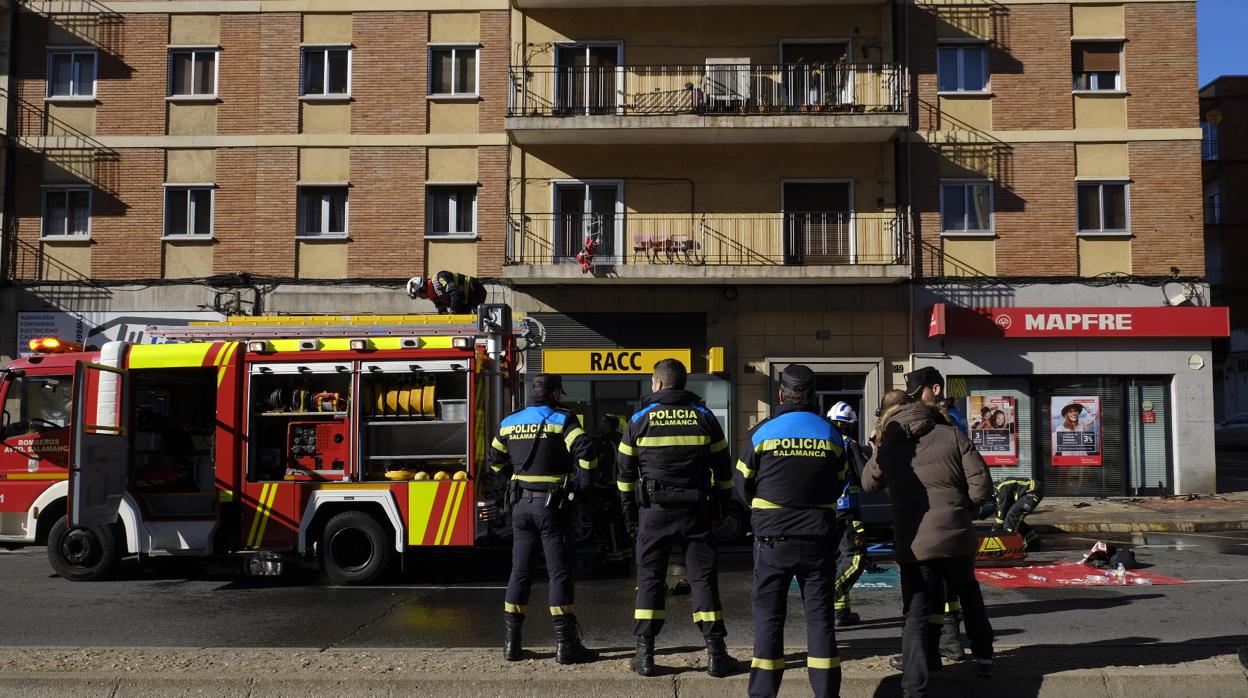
column 965, row 184
column 190, row 216
column 962, row 45
column 454, row 210
column 216, row 73
column 476, row 91
column 1100, row 184
column 72, row 51
column 301, row 232
column 1119, row 85
column 43, row 211
column 304, row 49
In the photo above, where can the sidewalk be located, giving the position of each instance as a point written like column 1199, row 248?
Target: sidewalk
column 1207, row 513
column 1050, row 672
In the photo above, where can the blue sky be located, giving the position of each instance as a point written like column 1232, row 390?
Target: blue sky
column 1222, row 27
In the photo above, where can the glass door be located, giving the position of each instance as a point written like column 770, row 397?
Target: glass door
column 588, row 215
column 814, row 75
column 587, row 79
column 817, row 223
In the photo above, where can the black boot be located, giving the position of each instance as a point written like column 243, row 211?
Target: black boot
column 718, row 662
column 512, row 648
column 643, row 661
column 568, row 647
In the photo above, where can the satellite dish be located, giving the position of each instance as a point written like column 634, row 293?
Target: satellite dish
column 1183, row 296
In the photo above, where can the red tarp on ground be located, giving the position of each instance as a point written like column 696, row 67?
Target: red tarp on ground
column 1061, row 574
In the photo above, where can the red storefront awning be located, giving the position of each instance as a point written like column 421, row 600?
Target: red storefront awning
column 1078, row 322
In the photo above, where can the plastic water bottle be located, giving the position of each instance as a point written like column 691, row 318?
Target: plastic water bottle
column 1037, row 577
column 1120, row 575
column 1142, row 581
column 1096, row 579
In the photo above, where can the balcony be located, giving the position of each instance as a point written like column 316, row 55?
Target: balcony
column 580, row 4
column 708, row 248
column 723, row 100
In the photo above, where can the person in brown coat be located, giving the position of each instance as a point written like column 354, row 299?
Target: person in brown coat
column 936, row 480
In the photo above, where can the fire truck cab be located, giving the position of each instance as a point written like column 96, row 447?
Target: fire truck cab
column 36, row 392
column 345, row 439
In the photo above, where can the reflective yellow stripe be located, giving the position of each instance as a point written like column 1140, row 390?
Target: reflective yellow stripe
column 953, row 606
column 589, row 464
column 561, row 610
column 725, row 484
column 255, row 520
column 36, row 476
column 759, row 503
column 499, row 445
column 540, row 478
column 823, row 662
column 496, row 468
column 745, row 469
column 721, row 445
column 627, row 449
column 513, row 608
column 265, row 515
column 707, row 616
column 571, row 436
column 624, row 486
column 936, row 619
column 649, row 614
column 659, row 441
column 768, row 664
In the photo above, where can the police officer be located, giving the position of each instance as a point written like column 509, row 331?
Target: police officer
column 791, row 478
column 851, row 550
column 542, row 447
column 674, row 464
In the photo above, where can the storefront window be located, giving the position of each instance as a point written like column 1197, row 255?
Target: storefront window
column 999, row 415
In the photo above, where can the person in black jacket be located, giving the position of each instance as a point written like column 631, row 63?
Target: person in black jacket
column 450, row 292
column 791, row 479
column 673, row 472
column 543, row 448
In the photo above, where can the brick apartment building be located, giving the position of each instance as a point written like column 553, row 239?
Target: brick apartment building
column 1224, row 121
column 838, row 183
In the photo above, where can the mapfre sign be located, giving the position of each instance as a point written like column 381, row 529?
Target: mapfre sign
column 1078, row 322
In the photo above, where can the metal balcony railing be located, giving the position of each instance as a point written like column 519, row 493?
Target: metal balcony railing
column 714, row 88
column 709, row 239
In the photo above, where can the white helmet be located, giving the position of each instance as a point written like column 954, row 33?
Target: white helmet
column 842, row 412
column 416, row 287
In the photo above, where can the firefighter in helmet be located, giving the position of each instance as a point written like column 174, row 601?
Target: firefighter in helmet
column 852, row 552
column 549, row 457
column 451, row 292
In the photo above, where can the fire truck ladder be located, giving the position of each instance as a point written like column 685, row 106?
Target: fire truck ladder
column 299, row 327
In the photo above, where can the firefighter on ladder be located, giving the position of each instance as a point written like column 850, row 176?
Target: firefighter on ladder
column 852, row 554
column 450, row 292
column 544, row 447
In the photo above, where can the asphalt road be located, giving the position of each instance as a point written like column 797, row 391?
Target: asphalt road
column 455, row 601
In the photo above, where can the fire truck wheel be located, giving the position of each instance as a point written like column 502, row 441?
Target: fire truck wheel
column 354, row 548
column 82, row 554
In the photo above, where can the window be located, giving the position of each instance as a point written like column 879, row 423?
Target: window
column 966, row 207
column 1213, row 208
column 1209, row 140
column 962, row 68
column 71, row 73
column 1103, row 207
column 452, row 210
column 66, row 212
column 453, row 70
column 188, row 211
column 1096, row 66
column 37, row 404
column 193, row 73
column 323, row 211
column 326, row 72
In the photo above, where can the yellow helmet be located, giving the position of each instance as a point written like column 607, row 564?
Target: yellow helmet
column 441, row 475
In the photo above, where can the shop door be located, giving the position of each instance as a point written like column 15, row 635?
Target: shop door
column 588, row 210
column 849, row 389
column 1085, row 419
column 817, row 221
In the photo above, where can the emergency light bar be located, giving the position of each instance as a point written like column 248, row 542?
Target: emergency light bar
column 52, row 345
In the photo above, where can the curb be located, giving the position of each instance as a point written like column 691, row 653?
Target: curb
column 1142, row 527
column 1141, row 682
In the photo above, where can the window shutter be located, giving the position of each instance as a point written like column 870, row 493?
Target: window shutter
column 1096, row 57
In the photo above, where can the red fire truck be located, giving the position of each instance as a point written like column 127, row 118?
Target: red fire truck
column 348, row 439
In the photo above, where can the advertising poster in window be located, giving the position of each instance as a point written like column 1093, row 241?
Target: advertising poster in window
column 1076, row 425
column 993, row 427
